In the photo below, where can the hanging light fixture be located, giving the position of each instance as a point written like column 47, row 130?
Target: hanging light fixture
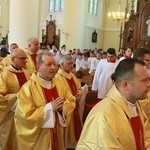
column 119, row 16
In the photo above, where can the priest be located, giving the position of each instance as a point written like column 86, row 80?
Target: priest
column 118, row 121
column 11, row 80
column 43, row 107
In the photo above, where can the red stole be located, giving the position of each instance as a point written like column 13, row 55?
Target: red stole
column 73, row 53
column 33, row 56
column 112, row 61
column 126, row 57
column 76, row 114
column 137, row 128
column 72, row 86
column 50, row 95
column 21, row 77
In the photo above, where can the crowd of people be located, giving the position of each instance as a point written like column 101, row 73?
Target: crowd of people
column 42, row 98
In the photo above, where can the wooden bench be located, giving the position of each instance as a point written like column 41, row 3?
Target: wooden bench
column 90, row 101
column 88, row 80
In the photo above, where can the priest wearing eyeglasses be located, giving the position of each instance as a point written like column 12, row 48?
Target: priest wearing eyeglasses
column 11, row 80
column 72, row 84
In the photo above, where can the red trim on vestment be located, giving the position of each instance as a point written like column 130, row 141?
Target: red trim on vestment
column 76, row 114
column 51, row 95
column 21, row 77
column 33, row 56
column 138, row 131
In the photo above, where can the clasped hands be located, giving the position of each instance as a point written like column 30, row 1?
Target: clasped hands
column 57, row 104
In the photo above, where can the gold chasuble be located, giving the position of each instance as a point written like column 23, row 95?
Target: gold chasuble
column 6, row 62
column 29, row 115
column 31, row 62
column 10, row 84
column 76, row 114
column 33, row 56
column 145, row 104
column 21, row 77
column 74, row 122
column 111, row 124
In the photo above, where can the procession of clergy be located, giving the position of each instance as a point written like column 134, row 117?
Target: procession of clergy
column 40, row 98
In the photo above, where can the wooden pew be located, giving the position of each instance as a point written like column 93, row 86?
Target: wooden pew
column 90, row 101
column 88, row 80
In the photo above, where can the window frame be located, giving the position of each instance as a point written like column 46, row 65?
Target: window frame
column 56, row 6
column 93, row 7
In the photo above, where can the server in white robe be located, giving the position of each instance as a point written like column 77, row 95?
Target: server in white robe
column 102, row 78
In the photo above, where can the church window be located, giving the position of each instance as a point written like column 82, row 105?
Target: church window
column 92, row 9
column 56, row 5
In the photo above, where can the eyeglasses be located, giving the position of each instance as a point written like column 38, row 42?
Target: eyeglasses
column 21, row 58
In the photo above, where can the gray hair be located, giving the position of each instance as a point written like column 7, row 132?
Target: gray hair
column 64, row 58
column 31, row 39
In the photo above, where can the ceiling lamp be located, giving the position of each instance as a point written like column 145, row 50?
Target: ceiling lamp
column 119, row 16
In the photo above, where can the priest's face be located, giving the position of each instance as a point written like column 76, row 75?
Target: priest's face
column 47, row 69
column 13, row 46
column 19, row 60
column 140, row 85
column 34, row 46
column 146, row 59
column 68, row 65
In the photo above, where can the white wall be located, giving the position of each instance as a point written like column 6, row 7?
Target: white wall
column 4, row 18
column 75, row 20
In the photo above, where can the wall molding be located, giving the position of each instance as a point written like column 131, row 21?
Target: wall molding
column 103, row 29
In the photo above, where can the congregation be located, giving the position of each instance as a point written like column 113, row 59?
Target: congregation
column 43, row 98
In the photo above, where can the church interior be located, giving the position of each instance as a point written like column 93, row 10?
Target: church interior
column 75, row 24
column 78, row 36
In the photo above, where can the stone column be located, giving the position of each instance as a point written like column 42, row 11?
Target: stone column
column 4, row 18
column 23, row 21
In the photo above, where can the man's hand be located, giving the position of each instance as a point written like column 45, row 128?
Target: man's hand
column 78, row 97
column 57, row 104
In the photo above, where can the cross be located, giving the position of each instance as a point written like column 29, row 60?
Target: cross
column 66, row 34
